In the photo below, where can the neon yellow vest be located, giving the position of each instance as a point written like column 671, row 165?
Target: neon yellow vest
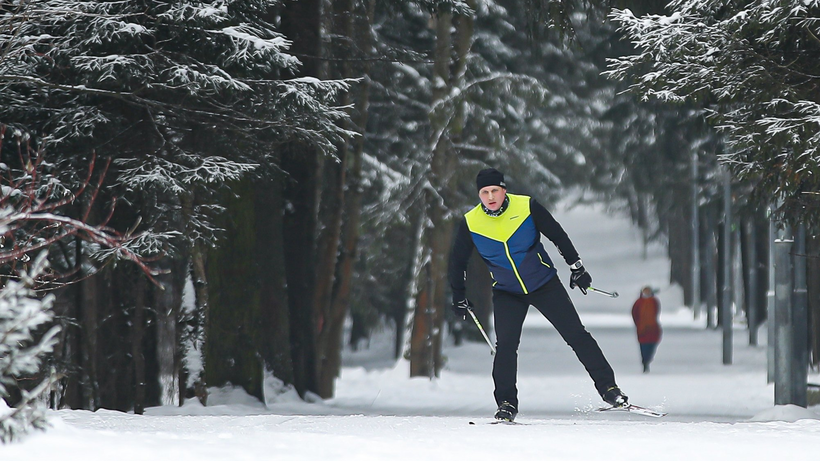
column 511, row 246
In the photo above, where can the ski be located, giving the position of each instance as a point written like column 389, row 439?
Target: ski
column 630, row 408
column 501, row 421
column 507, row 422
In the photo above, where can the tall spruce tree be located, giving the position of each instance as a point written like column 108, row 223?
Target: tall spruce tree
column 185, row 97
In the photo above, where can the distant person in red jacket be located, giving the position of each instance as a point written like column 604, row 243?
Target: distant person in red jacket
column 645, row 313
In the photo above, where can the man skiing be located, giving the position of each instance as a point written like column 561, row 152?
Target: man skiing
column 506, row 230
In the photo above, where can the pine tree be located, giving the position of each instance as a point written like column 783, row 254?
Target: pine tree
column 753, row 64
column 185, row 97
column 32, row 224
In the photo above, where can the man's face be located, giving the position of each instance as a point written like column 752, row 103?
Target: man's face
column 492, row 197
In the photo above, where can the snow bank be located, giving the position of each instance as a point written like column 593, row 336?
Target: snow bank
column 787, row 413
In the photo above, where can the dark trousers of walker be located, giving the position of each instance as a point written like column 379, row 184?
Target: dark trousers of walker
column 648, row 352
column 552, row 300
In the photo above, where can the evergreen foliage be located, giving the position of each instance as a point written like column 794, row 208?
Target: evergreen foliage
column 753, row 64
column 249, row 152
column 185, row 98
column 33, row 227
column 23, row 349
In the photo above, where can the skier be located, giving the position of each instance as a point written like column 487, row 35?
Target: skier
column 506, row 231
column 645, row 315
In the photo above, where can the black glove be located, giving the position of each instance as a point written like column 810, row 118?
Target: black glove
column 580, row 278
column 460, row 308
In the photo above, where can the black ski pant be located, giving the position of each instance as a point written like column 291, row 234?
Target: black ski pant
column 552, row 300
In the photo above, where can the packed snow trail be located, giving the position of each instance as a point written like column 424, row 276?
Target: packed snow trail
column 687, row 378
column 715, row 411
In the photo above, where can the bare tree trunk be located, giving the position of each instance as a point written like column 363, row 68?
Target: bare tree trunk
column 301, row 21
column 709, row 271
column 643, row 223
column 326, row 259
column 813, row 269
column 299, row 228
column 410, row 344
column 274, row 331
column 203, row 312
column 761, row 223
column 200, row 321
column 58, row 397
column 445, row 123
column 349, row 235
column 168, row 301
column 421, row 341
column 424, row 358
column 680, row 244
column 87, row 319
column 73, row 344
column 330, row 212
column 721, row 280
column 182, row 326
column 137, row 335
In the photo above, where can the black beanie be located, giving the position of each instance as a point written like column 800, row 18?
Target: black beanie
column 489, row 177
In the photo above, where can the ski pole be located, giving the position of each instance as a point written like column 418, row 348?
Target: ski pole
column 614, row 294
column 481, row 329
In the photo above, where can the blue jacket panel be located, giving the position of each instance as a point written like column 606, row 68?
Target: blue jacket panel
column 511, row 247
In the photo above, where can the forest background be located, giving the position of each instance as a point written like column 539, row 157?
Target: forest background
column 279, row 168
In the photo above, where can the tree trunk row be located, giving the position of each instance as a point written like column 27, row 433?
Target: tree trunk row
column 269, row 298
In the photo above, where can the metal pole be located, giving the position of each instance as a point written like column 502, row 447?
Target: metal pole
column 800, row 321
column 770, row 303
column 783, row 353
column 726, row 317
column 696, row 305
column 481, row 329
column 751, row 290
column 613, row 294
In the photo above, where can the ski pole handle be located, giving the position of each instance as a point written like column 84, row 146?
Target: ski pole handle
column 481, row 329
column 614, row 294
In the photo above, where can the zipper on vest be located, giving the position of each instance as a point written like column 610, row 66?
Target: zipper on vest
column 515, row 269
column 542, row 260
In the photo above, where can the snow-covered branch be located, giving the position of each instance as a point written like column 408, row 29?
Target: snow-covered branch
column 31, row 219
column 22, row 315
column 754, row 66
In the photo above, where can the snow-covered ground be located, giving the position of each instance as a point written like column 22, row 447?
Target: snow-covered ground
column 715, row 411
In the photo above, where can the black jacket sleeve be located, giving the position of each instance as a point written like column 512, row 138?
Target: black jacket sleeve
column 549, row 227
column 459, row 256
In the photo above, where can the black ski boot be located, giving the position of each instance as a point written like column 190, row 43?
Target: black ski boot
column 506, row 412
column 615, row 397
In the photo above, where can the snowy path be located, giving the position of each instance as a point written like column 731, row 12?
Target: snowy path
column 380, row 414
column 127, row 437
column 687, row 379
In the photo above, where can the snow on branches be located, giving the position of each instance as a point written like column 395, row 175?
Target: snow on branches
column 185, row 97
column 22, row 350
column 80, row 67
column 31, row 219
column 31, row 222
column 754, row 66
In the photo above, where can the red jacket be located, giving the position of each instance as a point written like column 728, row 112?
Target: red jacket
column 645, row 314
